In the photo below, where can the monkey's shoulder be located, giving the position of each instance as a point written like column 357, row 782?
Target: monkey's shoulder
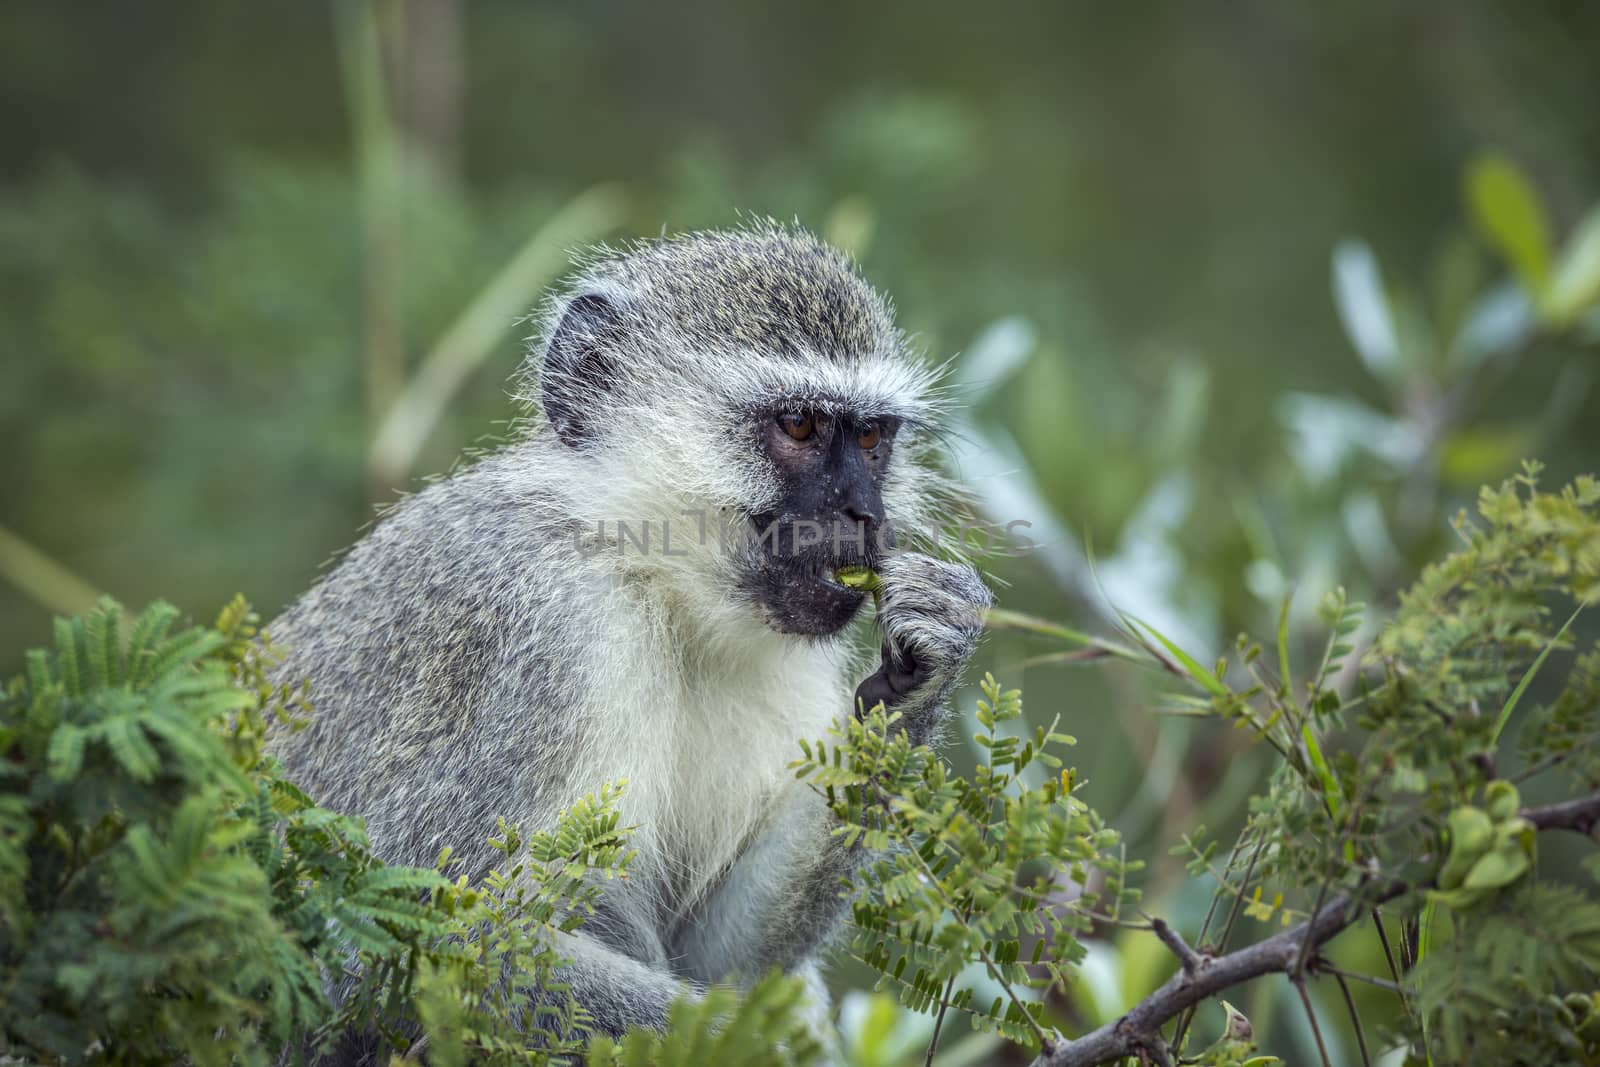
column 448, row 623
column 477, row 547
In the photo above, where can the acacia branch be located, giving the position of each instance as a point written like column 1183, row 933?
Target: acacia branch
column 1191, row 960
column 1140, row 1028
column 1581, row 815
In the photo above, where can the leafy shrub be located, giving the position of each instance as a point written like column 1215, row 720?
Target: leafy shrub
column 166, row 893
column 1387, row 805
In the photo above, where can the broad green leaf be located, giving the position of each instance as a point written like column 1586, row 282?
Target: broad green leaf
column 1575, row 287
column 1506, row 208
column 1499, row 867
column 1364, row 309
column 1469, row 457
column 1471, row 834
column 1502, row 800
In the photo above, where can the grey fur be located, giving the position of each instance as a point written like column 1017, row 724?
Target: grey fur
column 466, row 661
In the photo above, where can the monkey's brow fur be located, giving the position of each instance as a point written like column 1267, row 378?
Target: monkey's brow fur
column 466, row 661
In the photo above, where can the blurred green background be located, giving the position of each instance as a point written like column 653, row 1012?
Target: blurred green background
column 1245, row 300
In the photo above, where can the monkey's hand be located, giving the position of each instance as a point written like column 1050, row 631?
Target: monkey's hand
column 931, row 616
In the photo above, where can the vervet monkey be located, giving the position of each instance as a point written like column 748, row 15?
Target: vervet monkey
column 643, row 587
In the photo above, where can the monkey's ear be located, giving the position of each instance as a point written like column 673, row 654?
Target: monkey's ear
column 581, row 365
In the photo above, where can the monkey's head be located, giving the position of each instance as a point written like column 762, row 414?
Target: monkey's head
column 738, row 409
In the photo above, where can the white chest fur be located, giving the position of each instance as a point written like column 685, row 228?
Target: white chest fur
column 737, row 733
column 705, row 743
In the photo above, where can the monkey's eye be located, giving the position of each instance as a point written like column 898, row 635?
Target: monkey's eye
column 797, row 425
column 869, row 436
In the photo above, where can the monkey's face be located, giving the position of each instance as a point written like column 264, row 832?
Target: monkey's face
column 828, row 512
column 750, row 380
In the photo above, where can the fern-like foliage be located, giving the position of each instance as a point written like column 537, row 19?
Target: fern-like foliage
column 765, row 1025
column 166, row 895
column 1390, row 789
column 136, row 915
column 493, row 992
column 1500, row 982
column 1561, row 734
column 975, row 878
column 1392, row 781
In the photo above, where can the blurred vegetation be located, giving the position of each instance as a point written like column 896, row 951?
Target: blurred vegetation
column 1246, row 301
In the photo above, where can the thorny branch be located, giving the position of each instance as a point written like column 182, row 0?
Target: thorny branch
column 1191, row 960
column 1202, row 978
column 1581, row 815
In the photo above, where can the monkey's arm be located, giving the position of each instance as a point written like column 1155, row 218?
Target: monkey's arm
column 619, row 991
column 783, row 898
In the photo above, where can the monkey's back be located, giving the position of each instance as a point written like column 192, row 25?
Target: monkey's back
column 428, row 648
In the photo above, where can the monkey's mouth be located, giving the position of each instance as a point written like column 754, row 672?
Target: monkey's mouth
column 792, row 565
column 807, row 599
column 800, row 593
column 827, row 573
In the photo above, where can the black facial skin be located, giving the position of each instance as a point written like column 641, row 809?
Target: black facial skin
column 830, row 515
